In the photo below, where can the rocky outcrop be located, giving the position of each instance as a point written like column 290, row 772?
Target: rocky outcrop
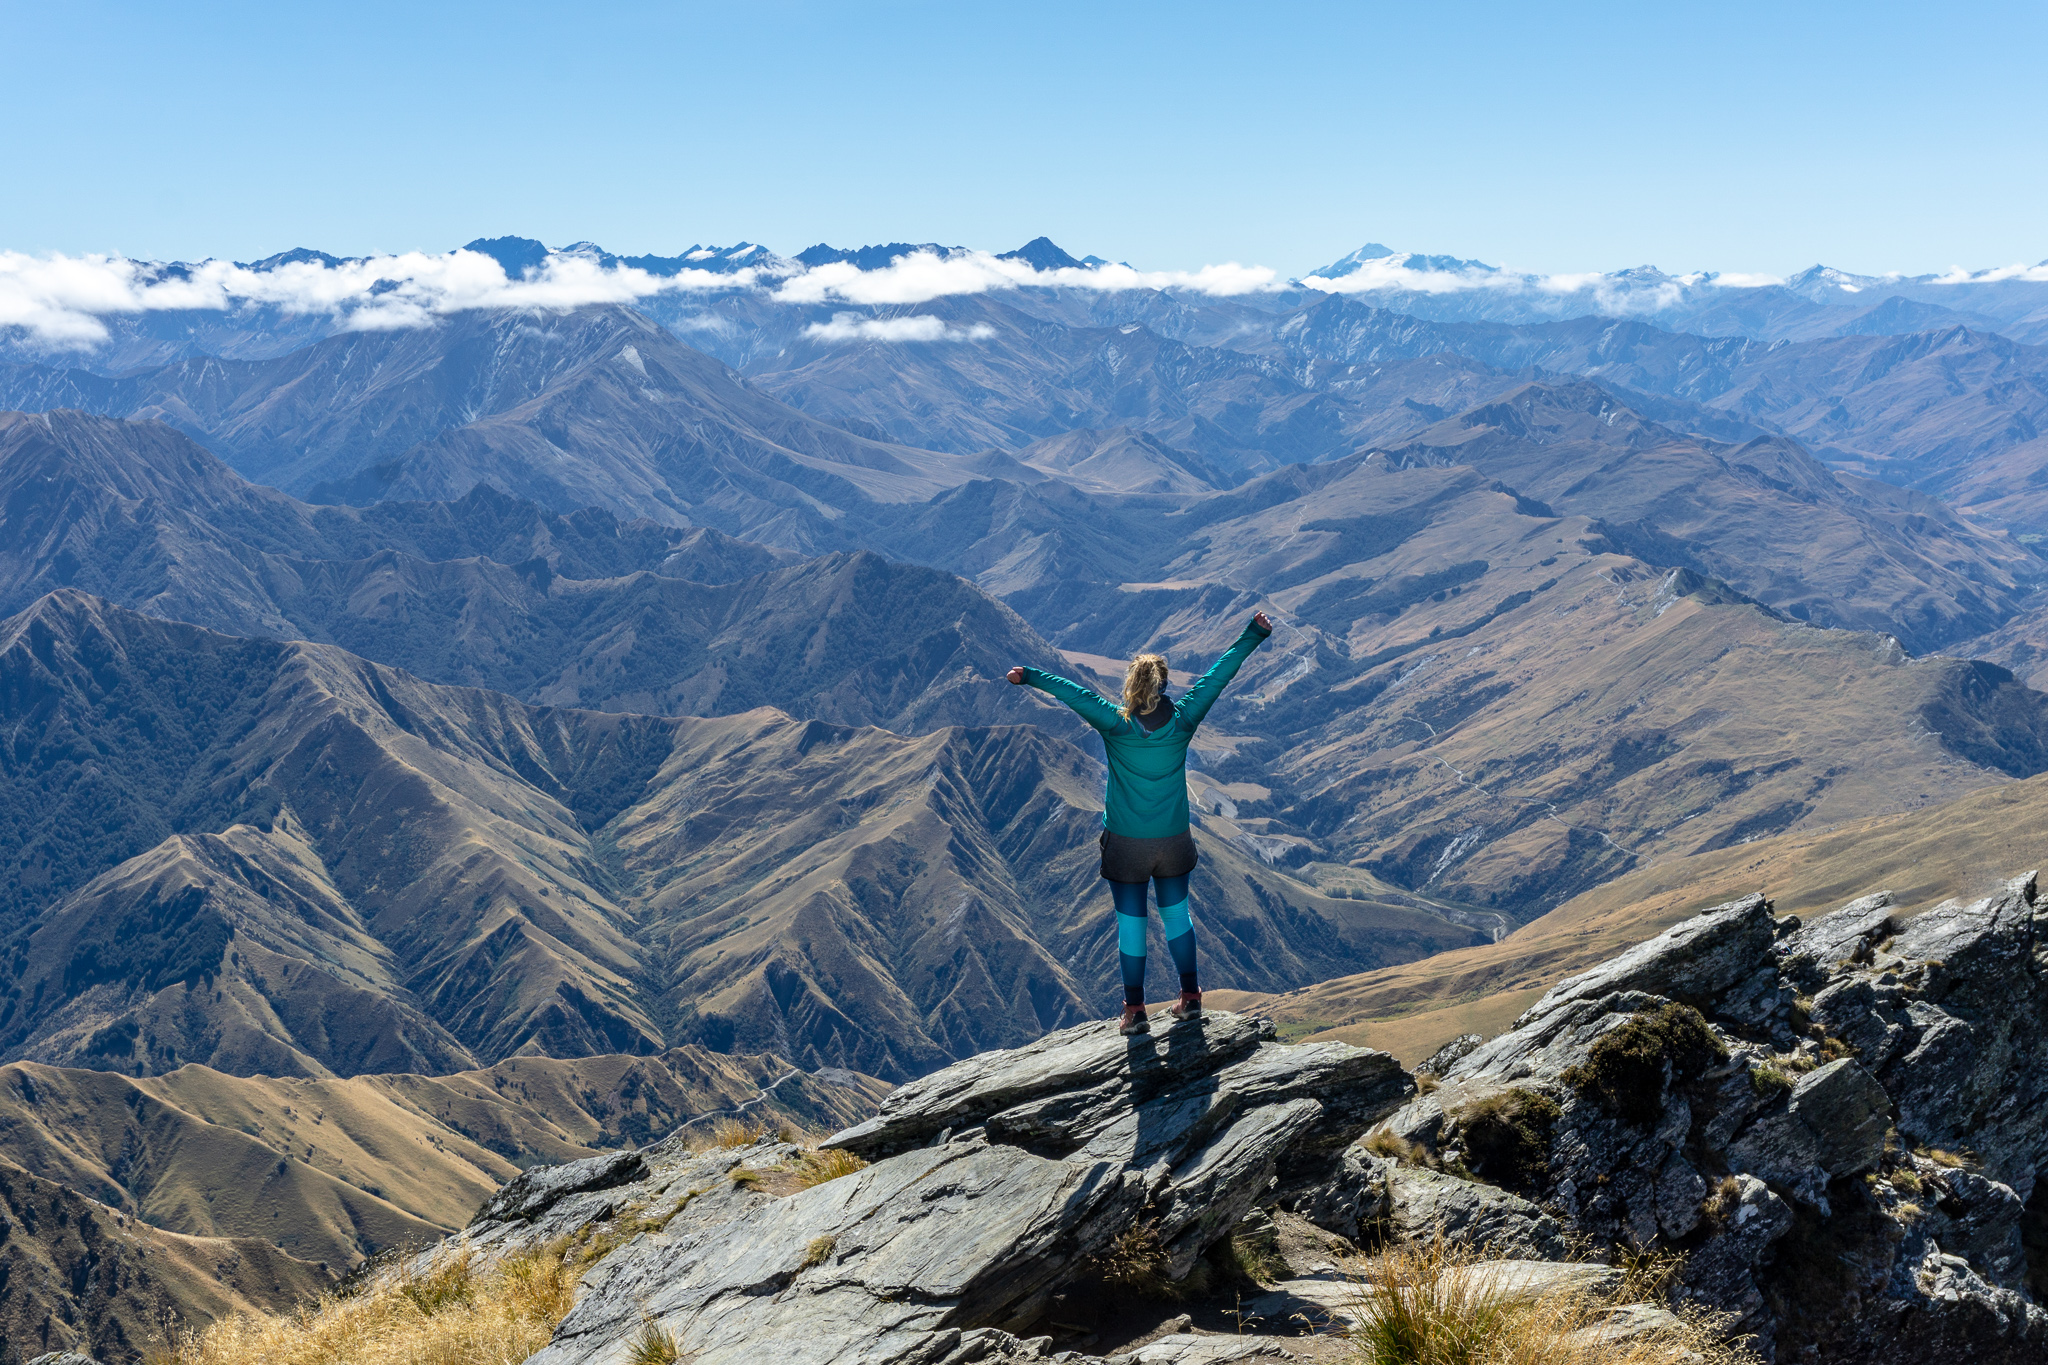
column 991, row 1185
column 1840, row 1124
column 1830, row 1134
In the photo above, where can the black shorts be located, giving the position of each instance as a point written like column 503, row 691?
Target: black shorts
column 1137, row 860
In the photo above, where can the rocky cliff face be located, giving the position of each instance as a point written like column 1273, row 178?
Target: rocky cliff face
column 1829, row 1133
column 1840, row 1124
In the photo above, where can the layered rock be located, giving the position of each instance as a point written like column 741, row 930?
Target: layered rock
column 1831, row 1132
column 992, row 1184
column 1839, row 1124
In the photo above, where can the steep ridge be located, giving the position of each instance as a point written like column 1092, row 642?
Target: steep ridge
column 1763, row 516
column 490, row 591
column 852, row 638
column 304, row 839
column 450, row 820
column 1478, row 695
column 1951, row 410
column 139, row 514
column 593, row 407
column 333, row 1170
column 77, row 1275
column 1121, row 460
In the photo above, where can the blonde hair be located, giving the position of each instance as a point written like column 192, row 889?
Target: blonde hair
column 1143, row 684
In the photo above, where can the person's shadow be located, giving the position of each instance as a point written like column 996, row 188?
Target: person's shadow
column 1173, row 1088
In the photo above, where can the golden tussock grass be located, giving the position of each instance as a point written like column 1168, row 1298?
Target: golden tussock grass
column 1430, row 1303
column 816, row 1167
column 456, row 1314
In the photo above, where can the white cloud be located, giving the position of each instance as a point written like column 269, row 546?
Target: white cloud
column 61, row 299
column 925, row 275
column 1614, row 294
column 919, row 327
column 2031, row 274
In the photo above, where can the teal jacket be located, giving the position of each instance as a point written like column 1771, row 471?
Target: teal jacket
column 1148, row 782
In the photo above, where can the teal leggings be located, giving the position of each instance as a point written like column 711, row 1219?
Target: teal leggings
column 1129, row 899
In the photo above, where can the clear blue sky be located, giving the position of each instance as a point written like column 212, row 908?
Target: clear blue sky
column 1566, row 136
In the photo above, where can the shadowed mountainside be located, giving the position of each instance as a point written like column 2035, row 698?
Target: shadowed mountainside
column 594, row 407
column 139, row 514
column 78, row 1275
column 489, row 591
column 303, row 863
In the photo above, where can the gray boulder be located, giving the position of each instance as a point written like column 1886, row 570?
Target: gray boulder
column 870, row 1266
column 1352, row 1201
column 994, row 1182
column 1422, row 1204
column 1694, row 961
column 534, row 1192
column 1834, row 1125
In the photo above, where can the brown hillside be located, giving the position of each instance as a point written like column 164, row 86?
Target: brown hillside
column 77, row 1275
column 406, row 877
column 1963, row 848
column 1476, row 699
column 332, row 1170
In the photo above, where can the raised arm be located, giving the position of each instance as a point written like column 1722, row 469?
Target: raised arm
column 1210, row 685
column 1086, row 702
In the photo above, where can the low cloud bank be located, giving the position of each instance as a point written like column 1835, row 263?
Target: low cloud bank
column 923, row 276
column 921, row 327
column 1620, row 293
column 60, row 300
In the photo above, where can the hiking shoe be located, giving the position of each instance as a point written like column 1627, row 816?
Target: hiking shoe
column 1134, row 1021
column 1190, row 1006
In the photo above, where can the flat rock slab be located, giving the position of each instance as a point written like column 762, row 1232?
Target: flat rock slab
column 1623, row 1325
column 1191, row 1348
column 871, row 1267
column 1091, row 1070
column 1318, row 1302
column 1425, row 1204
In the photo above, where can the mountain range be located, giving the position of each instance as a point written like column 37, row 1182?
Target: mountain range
column 600, row 704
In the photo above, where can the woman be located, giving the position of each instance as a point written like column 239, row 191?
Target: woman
column 1145, row 811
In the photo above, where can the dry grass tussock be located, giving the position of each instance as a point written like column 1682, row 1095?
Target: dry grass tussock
column 732, row 1132
column 815, row 1167
column 455, row 1315
column 462, row 1313
column 1430, row 1303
